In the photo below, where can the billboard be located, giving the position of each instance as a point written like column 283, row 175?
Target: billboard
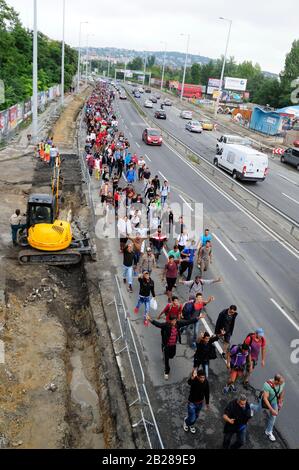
column 237, row 84
column 13, row 116
column 213, row 85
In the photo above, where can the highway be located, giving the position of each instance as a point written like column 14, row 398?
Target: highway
column 259, row 274
column 281, row 187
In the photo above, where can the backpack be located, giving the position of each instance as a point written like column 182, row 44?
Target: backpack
column 188, row 310
column 270, row 401
column 191, row 287
column 212, row 352
column 236, row 357
column 250, row 336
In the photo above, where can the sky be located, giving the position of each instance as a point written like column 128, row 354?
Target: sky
column 262, row 31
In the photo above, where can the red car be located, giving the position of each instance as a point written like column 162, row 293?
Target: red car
column 152, row 137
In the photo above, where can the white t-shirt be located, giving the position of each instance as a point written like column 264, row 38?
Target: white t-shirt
column 183, row 239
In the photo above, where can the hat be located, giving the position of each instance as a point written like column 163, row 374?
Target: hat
column 260, row 331
column 148, row 249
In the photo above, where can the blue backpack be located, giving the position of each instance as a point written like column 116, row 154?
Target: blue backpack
column 188, row 310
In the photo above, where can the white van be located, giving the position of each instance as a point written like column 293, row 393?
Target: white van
column 230, row 139
column 244, row 163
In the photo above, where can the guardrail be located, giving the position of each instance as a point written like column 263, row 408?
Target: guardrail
column 137, row 394
column 251, row 202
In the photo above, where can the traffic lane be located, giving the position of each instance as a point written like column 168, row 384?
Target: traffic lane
column 252, row 306
column 286, row 201
column 246, row 238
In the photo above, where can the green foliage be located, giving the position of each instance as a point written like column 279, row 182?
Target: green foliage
column 16, row 44
column 151, row 61
column 136, row 64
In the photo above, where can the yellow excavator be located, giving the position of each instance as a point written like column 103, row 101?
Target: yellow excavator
column 48, row 239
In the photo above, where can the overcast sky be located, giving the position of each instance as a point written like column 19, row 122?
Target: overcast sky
column 262, row 31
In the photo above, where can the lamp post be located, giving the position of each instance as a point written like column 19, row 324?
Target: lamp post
column 163, row 69
column 223, row 66
column 108, row 66
column 63, row 54
column 185, row 67
column 79, row 55
column 125, row 70
column 35, row 78
column 144, row 72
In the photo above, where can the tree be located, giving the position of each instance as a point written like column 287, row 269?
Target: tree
column 268, row 93
column 290, row 73
column 136, row 64
column 151, row 61
column 195, row 74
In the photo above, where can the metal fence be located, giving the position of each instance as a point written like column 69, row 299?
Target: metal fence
column 12, row 118
column 125, row 346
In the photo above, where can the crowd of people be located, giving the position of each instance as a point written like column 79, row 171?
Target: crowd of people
column 138, row 203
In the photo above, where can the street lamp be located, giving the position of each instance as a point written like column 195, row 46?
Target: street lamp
column 163, row 69
column 223, row 66
column 87, row 56
column 79, row 55
column 35, row 77
column 125, row 70
column 145, row 61
column 63, row 54
column 184, row 76
column 108, row 66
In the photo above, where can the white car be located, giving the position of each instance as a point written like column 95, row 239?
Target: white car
column 140, row 89
column 194, row 126
column 148, row 104
column 186, row 115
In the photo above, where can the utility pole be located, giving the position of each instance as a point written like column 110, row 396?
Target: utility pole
column 35, row 78
column 223, row 66
column 163, row 70
column 63, row 55
column 145, row 60
column 185, row 67
column 108, row 66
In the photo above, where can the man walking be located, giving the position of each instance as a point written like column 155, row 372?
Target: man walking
column 188, row 255
column 199, row 392
column 171, row 335
column 271, row 399
column 196, row 286
column 257, row 343
column 205, row 257
column 128, row 266
column 16, row 225
column 238, row 358
column 236, row 416
column 53, row 155
column 147, row 262
column 147, row 287
column 226, row 321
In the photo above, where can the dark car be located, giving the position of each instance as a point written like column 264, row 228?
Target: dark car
column 137, row 94
column 148, row 90
column 167, row 102
column 291, row 156
column 160, row 114
column 157, row 96
column 152, row 137
column 153, row 99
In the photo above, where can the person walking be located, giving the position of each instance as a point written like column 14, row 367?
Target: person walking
column 204, row 238
column 205, row 257
column 158, row 240
column 205, row 351
column 188, row 255
column 174, row 309
column 271, row 400
column 196, row 286
column 53, row 154
column 170, row 274
column 238, row 358
column 226, row 321
column 131, row 175
column 175, row 252
column 194, row 308
column 124, row 231
column 171, row 335
column 147, row 262
column 128, row 262
column 147, row 287
column 199, row 392
column 257, row 343
column 165, row 191
column 16, row 225
column 236, row 416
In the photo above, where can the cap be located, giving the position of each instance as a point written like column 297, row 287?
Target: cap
column 148, row 249
column 260, row 331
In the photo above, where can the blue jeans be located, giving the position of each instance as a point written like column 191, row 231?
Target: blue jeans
column 146, row 302
column 128, row 274
column 240, row 441
column 193, row 412
column 271, row 419
column 163, row 200
column 14, row 231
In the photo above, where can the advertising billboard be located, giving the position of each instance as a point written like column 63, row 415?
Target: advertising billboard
column 237, row 84
column 213, row 85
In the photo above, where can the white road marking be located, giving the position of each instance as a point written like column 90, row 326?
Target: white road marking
column 165, row 179
column 187, row 203
column 285, row 178
column 263, row 226
column 289, row 197
column 226, row 249
column 285, row 314
column 130, row 134
column 147, row 158
column 137, row 145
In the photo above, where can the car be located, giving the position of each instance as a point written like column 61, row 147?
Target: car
column 153, row 99
column 140, row 89
column 148, row 104
column 152, row 137
column 157, row 96
column 122, row 96
column 291, row 156
column 160, row 114
column 207, row 125
column 194, row 126
column 167, row 102
column 244, row 163
column 137, row 94
column 186, row 115
column 148, row 90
